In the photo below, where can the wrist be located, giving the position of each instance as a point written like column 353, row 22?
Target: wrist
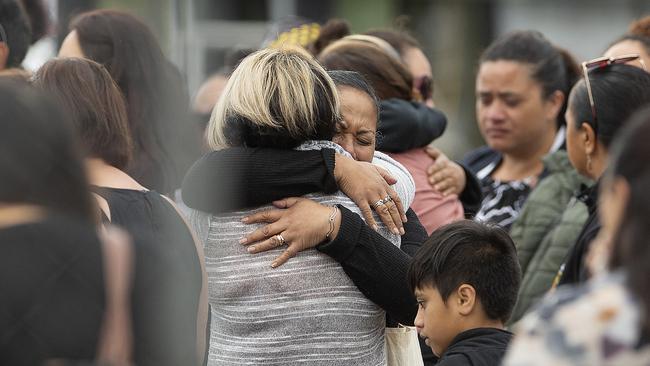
column 341, row 163
column 334, row 224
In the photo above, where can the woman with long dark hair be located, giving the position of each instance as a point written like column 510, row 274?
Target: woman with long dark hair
column 164, row 137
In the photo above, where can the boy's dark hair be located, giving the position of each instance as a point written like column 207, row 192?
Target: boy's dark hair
column 477, row 254
column 17, row 30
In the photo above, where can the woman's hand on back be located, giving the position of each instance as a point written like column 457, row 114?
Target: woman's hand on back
column 446, row 176
column 369, row 186
column 301, row 223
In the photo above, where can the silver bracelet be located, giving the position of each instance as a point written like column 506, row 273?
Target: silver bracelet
column 331, row 221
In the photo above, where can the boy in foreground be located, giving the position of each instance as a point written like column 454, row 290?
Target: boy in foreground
column 465, row 279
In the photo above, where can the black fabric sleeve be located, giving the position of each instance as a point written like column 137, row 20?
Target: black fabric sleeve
column 408, row 125
column 375, row 265
column 414, row 234
column 472, row 196
column 237, row 178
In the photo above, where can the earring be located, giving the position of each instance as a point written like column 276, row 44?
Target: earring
column 588, row 163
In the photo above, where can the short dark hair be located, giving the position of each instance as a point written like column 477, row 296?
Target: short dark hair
column 356, row 81
column 478, row 254
column 618, row 92
column 39, row 157
column 16, row 26
column 93, row 103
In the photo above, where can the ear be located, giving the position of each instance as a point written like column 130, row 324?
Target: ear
column 466, row 299
column 554, row 105
column 4, row 55
column 588, row 138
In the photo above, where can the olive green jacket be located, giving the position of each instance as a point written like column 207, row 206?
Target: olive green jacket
column 547, row 227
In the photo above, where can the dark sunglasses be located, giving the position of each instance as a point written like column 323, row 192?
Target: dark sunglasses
column 3, row 35
column 424, row 85
column 599, row 63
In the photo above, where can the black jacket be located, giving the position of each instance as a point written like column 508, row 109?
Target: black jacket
column 479, row 158
column 407, row 125
column 477, row 347
column 574, row 270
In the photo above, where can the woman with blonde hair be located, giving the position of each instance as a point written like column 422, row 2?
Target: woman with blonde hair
column 309, row 311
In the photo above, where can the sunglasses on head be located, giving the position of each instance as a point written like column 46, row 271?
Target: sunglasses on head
column 602, row 62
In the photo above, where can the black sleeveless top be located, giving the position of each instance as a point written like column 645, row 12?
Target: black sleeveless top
column 168, row 277
column 51, row 291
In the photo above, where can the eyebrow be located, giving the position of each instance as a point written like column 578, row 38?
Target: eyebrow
column 501, row 95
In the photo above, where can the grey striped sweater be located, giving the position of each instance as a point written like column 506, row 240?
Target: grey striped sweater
column 306, row 312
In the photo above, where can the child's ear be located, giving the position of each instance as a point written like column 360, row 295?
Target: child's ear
column 466, row 298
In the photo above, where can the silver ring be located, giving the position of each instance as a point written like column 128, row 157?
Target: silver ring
column 382, row 201
column 280, row 240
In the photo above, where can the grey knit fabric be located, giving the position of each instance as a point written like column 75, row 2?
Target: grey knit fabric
column 306, row 312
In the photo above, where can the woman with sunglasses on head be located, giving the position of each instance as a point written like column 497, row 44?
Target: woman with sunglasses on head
column 605, row 321
column 575, row 225
column 599, row 105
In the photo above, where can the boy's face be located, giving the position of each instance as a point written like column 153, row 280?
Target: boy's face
column 436, row 321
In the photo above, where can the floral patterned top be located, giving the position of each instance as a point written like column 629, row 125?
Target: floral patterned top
column 597, row 324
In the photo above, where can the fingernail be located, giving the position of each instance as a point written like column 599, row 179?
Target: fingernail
column 401, row 231
column 395, row 231
column 251, row 249
column 245, row 219
column 274, row 264
column 243, row 240
column 405, row 219
column 375, row 227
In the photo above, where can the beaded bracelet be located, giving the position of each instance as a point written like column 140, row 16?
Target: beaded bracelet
column 331, row 221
